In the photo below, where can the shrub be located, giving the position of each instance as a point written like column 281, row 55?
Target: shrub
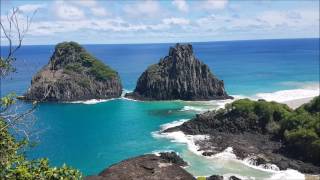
column 69, row 45
column 96, row 68
column 313, row 106
column 300, row 129
column 74, row 67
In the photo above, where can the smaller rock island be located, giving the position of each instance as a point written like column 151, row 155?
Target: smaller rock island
column 180, row 75
column 73, row 74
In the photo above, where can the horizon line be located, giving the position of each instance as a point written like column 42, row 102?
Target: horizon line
column 137, row 43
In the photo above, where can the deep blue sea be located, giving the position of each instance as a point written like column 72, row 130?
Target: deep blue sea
column 93, row 136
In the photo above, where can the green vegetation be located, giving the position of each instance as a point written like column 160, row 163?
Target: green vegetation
column 69, row 45
column 96, row 68
column 13, row 165
column 267, row 114
column 201, row 178
column 76, row 67
column 299, row 129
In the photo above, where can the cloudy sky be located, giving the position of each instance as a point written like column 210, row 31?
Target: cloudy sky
column 144, row 21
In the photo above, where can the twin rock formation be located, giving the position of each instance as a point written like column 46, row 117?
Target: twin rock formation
column 72, row 74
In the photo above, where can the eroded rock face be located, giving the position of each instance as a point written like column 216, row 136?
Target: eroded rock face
column 180, row 75
column 72, row 74
column 146, row 167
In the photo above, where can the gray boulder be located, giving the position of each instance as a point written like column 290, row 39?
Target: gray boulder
column 146, row 167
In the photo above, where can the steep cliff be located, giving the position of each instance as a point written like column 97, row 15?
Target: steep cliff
column 180, row 75
column 73, row 74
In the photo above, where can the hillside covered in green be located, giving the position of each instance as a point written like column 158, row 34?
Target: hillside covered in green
column 85, row 62
column 299, row 129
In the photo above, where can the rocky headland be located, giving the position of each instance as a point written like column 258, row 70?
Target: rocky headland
column 262, row 132
column 73, row 74
column 180, row 75
column 164, row 166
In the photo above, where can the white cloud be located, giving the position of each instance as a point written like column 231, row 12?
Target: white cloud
column 176, row 21
column 110, row 25
column 99, row 11
column 85, row 18
column 68, row 11
column 143, row 8
column 86, row 3
column 181, row 5
column 27, row 8
column 214, row 4
column 289, row 18
column 93, row 6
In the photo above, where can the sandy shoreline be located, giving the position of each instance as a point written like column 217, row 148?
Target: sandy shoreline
column 297, row 102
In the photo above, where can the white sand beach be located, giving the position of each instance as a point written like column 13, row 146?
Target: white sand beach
column 297, row 102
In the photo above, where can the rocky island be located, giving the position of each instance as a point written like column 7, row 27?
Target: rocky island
column 180, row 75
column 264, row 132
column 73, row 74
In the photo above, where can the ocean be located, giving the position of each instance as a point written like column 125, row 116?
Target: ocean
column 91, row 136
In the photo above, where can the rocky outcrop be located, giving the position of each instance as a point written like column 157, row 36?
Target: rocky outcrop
column 180, row 75
column 166, row 166
column 248, row 128
column 73, row 74
column 217, row 177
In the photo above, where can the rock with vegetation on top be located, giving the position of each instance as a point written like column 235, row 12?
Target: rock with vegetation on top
column 73, row 74
column 166, row 166
column 180, row 75
column 265, row 132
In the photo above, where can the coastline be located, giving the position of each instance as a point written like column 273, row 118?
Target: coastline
column 227, row 156
column 291, row 97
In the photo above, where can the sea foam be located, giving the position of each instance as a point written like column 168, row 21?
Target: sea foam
column 179, row 136
column 92, row 101
column 227, row 154
column 203, row 106
column 173, row 124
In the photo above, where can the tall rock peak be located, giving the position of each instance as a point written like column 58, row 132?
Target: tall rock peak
column 65, row 53
column 181, row 49
column 180, row 75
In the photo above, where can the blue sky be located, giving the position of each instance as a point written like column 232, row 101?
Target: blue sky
column 146, row 21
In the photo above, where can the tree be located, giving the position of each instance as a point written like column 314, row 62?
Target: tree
column 13, row 164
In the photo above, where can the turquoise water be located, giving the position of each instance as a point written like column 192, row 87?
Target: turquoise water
column 92, row 137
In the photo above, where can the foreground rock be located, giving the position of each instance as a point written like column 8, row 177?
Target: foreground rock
column 180, row 75
column 266, row 133
column 72, row 74
column 217, row 177
column 167, row 166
